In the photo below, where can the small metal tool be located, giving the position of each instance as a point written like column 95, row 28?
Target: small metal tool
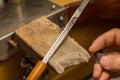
column 41, row 65
column 98, row 55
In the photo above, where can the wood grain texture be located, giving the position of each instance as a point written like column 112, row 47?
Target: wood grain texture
column 41, row 34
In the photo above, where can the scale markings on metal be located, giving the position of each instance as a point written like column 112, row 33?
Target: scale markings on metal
column 64, row 33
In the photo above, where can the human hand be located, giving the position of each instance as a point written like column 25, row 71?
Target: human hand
column 110, row 63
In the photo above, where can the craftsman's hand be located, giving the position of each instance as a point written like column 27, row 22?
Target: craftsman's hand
column 109, row 63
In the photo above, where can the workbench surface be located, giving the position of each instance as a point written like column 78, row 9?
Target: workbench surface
column 14, row 16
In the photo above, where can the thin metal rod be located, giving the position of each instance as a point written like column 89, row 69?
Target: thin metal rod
column 64, row 33
column 1, row 38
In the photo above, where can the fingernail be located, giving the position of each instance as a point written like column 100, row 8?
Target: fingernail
column 105, row 62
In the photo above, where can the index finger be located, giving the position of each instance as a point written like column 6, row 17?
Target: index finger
column 111, row 37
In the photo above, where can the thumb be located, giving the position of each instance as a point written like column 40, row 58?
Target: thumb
column 111, row 62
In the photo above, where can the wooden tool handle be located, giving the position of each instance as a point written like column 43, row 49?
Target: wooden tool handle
column 37, row 71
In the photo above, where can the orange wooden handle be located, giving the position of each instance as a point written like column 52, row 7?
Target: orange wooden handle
column 37, row 71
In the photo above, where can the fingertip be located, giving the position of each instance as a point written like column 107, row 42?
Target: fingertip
column 105, row 62
column 97, row 71
column 92, row 48
column 105, row 76
column 111, row 62
column 97, row 45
